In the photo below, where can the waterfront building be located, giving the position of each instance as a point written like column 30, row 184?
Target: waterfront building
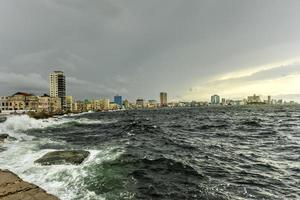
column 140, row 103
column 3, row 104
column 55, row 105
column 113, row 106
column 224, row 101
column 104, row 104
column 126, row 104
column 254, row 99
column 44, row 103
column 163, row 99
column 215, row 99
column 269, row 100
column 58, row 87
column 80, row 106
column 89, row 106
column 96, row 104
column 69, row 103
column 23, row 102
column 118, row 100
column 153, row 104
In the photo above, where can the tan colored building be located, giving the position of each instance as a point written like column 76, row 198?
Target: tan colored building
column 113, row 106
column 22, row 101
column 3, row 103
column 80, row 106
column 104, row 104
column 55, row 105
column 44, row 103
column 69, row 103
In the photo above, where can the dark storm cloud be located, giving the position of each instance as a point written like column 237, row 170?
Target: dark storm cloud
column 138, row 48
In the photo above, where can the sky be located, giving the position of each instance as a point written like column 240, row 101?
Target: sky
column 191, row 49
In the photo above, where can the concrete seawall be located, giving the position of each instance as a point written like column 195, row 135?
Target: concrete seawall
column 14, row 188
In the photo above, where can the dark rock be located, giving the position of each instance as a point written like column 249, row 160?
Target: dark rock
column 2, row 119
column 3, row 137
column 40, row 115
column 75, row 157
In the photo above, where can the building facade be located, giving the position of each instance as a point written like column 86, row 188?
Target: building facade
column 118, row 100
column 55, row 105
column 4, row 104
column 254, row 99
column 44, row 103
column 215, row 99
column 163, row 99
column 23, row 102
column 140, row 103
column 69, row 103
column 58, row 86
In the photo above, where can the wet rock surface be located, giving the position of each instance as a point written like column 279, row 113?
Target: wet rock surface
column 74, row 157
column 3, row 137
column 14, row 188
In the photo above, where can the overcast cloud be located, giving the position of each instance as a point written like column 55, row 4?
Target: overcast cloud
column 138, row 48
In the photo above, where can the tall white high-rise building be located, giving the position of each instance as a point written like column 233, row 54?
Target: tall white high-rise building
column 58, row 86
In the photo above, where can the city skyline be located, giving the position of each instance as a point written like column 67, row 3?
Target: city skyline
column 191, row 50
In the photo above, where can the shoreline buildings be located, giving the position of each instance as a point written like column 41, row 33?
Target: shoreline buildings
column 58, row 103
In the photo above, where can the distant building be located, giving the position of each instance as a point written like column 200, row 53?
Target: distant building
column 104, row 103
column 113, row 106
column 44, row 103
column 153, row 104
column 23, row 102
column 126, row 104
column 215, row 99
column 55, row 105
column 280, row 102
column 69, row 103
column 140, row 103
column 3, row 103
column 224, row 101
column 118, row 100
column 58, row 86
column 269, row 99
column 80, row 106
column 163, row 99
column 254, row 99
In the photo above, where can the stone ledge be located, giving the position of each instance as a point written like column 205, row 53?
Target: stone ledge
column 14, row 188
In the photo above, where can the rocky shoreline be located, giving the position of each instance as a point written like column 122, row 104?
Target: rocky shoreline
column 13, row 187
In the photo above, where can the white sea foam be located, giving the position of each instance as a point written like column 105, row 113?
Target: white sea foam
column 64, row 181
column 15, row 125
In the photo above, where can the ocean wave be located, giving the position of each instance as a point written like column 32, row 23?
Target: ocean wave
column 21, row 123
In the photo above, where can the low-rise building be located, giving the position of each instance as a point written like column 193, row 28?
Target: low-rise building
column 55, row 105
column 140, row 103
column 69, row 103
column 254, row 99
column 44, row 103
column 4, row 104
column 23, row 102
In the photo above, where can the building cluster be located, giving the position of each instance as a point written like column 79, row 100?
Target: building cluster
column 251, row 100
column 59, row 102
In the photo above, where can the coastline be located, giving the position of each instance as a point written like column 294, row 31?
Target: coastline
column 12, row 187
